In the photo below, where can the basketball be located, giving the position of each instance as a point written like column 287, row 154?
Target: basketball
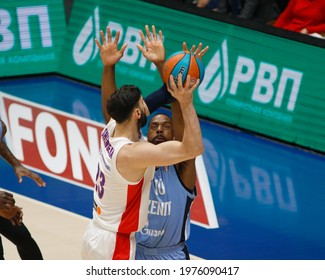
column 185, row 63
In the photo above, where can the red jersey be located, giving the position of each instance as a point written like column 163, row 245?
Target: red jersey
column 299, row 14
column 119, row 205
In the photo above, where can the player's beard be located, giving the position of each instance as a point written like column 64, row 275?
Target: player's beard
column 143, row 120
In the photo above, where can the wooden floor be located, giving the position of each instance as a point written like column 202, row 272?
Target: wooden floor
column 58, row 233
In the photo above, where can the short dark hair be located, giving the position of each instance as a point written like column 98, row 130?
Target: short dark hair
column 121, row 103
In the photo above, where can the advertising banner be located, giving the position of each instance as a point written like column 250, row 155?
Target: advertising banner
column 31, row 36
column 256, row 81
column 253, row 80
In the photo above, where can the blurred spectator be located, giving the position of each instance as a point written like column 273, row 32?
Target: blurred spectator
column 232, row 7
column 263, row 11
column 304, row 16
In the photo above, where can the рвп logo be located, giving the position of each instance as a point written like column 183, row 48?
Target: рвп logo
column 9, row 32
column 85, row 49
column 269, row 84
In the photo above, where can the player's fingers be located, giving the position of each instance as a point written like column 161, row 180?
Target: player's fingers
column 148, row 33
column 123, row 49
column 154, row 32
column 102, row 36
column 204, row 51
column 37, row 179
column 160, row 35
column 117, row 37
column 172, row 84
column 141, row 48
column 179, row 80
column 98, row 44
column 192, row 48
column 197, row 51
column 197, row 82
column 187, row 82
column 109, row 34
column 143, row 38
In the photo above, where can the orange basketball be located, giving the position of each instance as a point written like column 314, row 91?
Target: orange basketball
column 185, row 63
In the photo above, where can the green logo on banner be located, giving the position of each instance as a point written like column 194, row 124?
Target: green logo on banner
column 84, row 48
column 258, row 87
column 29, row 36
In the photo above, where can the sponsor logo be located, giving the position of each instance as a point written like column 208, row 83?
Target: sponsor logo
column 269, row 89
column 24, row 14
column 84, row 48
column 66, row 147
column 86, row 51
column 55, row 143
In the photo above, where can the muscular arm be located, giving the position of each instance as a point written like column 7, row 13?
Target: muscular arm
column 109, row 55
column 133, row 159
column 186, row 169
column 108, row 87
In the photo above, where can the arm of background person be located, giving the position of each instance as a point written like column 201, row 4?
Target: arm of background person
column 19, row 169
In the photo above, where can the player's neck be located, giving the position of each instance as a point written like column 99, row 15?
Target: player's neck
column 127, row 130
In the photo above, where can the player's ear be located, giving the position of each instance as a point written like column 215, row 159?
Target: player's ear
column 137, row 113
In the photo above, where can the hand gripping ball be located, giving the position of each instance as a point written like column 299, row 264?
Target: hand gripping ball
column 185, row 63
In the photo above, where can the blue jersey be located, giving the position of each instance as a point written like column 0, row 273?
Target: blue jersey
column 168, row 212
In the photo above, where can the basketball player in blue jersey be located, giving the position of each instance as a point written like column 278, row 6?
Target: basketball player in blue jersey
column 172, row 190
column 11, row 225
column 173, row 185
column 171, row 195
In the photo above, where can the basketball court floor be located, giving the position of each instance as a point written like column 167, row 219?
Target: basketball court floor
column 57, row 232
column 258, row 199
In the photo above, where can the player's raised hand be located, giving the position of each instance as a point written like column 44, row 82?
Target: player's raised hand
column 109, row 52
column 198, row 52
column 153, row 49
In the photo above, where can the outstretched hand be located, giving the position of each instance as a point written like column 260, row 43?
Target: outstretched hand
column 154, row 49
column 109, row 52
column 21, row 171
column 199, row 52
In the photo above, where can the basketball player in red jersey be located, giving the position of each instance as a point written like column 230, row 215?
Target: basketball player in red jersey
column 126, row 162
